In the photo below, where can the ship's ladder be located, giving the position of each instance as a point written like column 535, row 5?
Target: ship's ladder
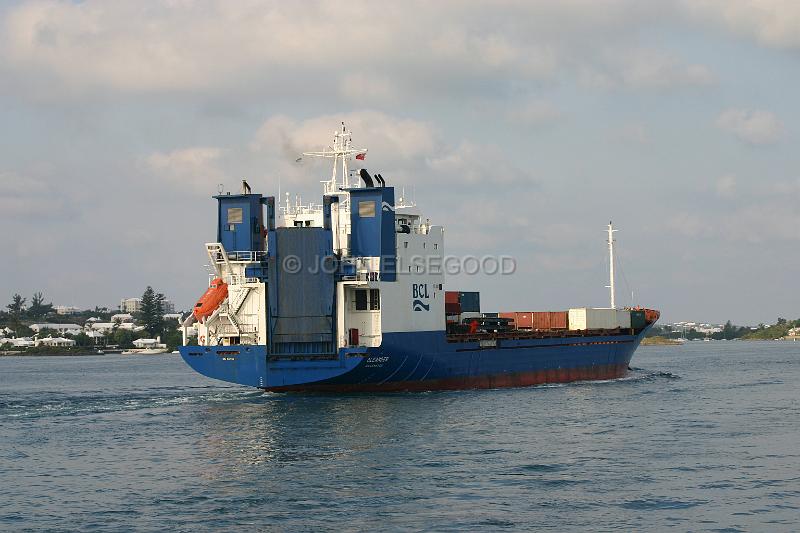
column 232, row 319
column 241, row 296
column 217, row 255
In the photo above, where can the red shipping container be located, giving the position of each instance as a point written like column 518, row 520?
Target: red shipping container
column 512, row 316
column 452, row 308
column 541, row 319
column 520, row 319
column 451, row 297
column 558, row 319
column 523, row 320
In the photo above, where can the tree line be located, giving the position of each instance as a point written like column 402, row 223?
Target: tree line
column 729, row 331
column 19, row 316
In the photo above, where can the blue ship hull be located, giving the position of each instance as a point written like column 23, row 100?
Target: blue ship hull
column 421, row 361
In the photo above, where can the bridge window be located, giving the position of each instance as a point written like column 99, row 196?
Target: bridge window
column 234, row 215
column 366, row 208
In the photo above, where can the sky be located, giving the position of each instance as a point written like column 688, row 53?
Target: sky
column 522, row 127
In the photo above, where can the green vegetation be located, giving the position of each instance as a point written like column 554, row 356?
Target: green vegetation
column 776, row 331
column 18, row 317
column 729, row 331
column 152, row 314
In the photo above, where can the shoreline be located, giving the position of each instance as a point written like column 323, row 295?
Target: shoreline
column 660, row 341
column 77, row 354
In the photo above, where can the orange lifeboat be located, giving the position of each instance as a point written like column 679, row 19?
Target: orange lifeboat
column 208, row 302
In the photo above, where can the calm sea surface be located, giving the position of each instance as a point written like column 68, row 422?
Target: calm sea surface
column 702, row 437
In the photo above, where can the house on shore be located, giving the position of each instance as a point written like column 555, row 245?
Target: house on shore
column 60, row 342
column 72, row 329
column 146, row 344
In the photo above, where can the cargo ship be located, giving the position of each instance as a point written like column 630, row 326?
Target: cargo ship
column 349, row 296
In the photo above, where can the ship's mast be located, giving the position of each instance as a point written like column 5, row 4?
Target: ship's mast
column 341, row 152
column 611, row 231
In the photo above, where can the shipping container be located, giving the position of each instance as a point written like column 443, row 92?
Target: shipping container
column 523, row 320
column 451, row 297
column 491, row 315
column 511, row 317
column 470, row 302
column 624, row 318
column 558, row 319
column 518, row 319
column 599, row 318
column 468, row 314
column 638, row 320
column 540, row 320
column 452, row 308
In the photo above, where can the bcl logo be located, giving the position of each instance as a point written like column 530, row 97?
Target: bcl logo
column 419, row 292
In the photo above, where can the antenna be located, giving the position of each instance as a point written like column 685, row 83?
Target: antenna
column 611, row 231
column 341, row 152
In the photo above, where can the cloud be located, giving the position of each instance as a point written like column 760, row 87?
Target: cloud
column 403, row 149
column 361, row 51
column 644, row 68
column 390, row 138
column 751, row 126
column 771, row 22
column 473, row 164
column 763, row 223
column 365, row 89
column 634, row 133
column 196, row 168
column 23, row 196
column 689, row 225
column 536, row 113
column 217, row 45
column 726, row 186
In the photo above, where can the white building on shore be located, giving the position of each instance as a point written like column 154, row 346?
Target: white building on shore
column 21, row 342
column 149, row 343
column 134, row 305
column 55, row 341
column 72, row 329
column 130, row 305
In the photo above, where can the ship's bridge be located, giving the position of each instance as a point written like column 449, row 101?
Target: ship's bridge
column 307, row 280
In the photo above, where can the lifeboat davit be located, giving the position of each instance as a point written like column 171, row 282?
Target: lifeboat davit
column 210, row 300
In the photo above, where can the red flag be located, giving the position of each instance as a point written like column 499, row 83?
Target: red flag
column 361, row 156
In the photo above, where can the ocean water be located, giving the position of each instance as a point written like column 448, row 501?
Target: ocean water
column 702, row 437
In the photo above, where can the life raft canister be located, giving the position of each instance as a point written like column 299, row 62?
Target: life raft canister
column 210, row 300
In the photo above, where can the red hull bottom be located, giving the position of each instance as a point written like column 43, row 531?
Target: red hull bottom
column 497, row 381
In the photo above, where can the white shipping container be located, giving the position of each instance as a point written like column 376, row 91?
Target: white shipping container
column 624, row 318
column 583, row 318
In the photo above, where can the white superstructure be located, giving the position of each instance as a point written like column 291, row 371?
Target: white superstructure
column 366, row 305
